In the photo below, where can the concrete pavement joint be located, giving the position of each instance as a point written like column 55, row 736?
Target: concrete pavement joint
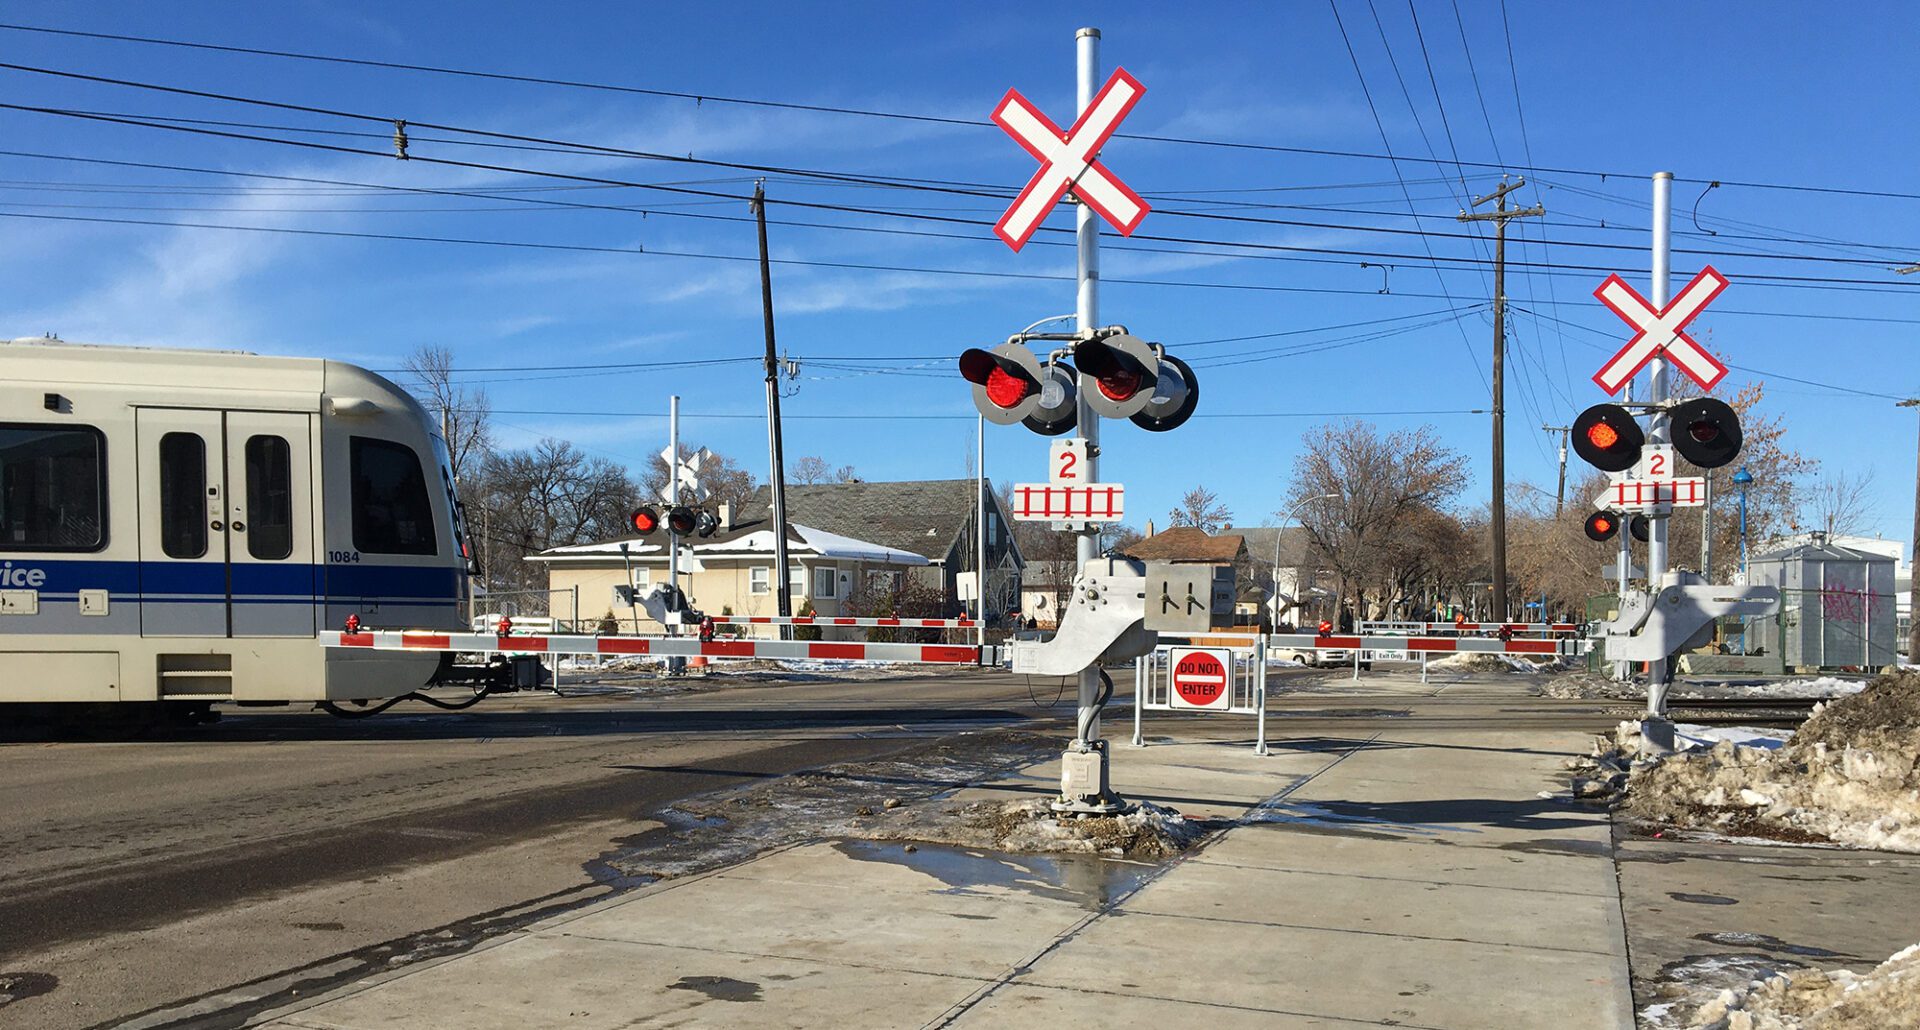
column 1137, row 914
column 966, row 1004
column 1202, row 860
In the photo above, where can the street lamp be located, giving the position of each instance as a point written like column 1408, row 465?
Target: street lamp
column 1743, row 479
column 1286, row 513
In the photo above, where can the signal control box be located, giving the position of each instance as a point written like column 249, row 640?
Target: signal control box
column 1184, row 598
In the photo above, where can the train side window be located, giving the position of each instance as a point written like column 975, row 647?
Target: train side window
column 183, row 495
column 391, row 510
column 53, row 487
column 269, row 498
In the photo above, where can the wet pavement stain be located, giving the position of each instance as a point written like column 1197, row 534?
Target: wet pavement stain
column 719, row 988
column 1702, row 899
column 1561, row 846
column 1735, row 939
column 21, row 986
column 1090, row 882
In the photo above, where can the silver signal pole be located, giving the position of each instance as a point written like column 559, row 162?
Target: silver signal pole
column 673, row 501
column 1087, row 427
column 1659, row 432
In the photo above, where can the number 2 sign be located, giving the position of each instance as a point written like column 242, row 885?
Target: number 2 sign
column 1067, row 462
column 1656, row 462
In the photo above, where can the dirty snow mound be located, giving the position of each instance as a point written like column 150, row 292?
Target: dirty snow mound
column 1887, row 998
column 1473, row 662
column 1031, row 826
column 1850, row 774
column 1584, row 685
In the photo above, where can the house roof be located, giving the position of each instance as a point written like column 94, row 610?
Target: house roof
column 744, row 541
column 1294, row 543
column 905, row 523
column 921, row 516
column 1189, row 544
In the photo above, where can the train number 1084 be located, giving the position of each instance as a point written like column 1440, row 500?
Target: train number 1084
column 342, row 557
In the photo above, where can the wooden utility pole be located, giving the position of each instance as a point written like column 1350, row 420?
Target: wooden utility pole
column 1913, row 589
column 1500, row 216
column 776, row 452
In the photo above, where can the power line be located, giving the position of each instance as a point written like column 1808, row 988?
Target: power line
column 845, row 178
column 761, row 415
column 1334, row 6
column 1744, row 368
column 704, row 98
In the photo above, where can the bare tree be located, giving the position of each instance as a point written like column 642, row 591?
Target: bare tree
column 1838, row 504
column 550, row 495
column 1201, row 508
column 809, row 470
column 465, row 416
column 814, row 469
column 1379, row 485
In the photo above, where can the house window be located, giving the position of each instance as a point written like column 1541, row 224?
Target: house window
column 757, row 579
column 823, row 585
column 796, row 580
column 993, row 531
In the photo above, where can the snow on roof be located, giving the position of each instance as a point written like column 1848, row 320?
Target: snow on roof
column 813, row 541
column 833, row 545
column 604, row 547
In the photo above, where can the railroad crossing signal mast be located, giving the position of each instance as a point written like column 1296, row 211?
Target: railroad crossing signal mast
column 1113, row 374
column 1679, row 607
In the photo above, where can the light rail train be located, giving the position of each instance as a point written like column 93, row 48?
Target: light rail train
column 179, row 527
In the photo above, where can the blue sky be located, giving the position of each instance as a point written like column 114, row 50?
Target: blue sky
column 1782, row 94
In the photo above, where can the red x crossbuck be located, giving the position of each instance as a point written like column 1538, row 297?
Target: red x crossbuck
column 1661, row 331
column 1070, row 160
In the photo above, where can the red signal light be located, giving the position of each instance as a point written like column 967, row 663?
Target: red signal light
column 645, row 520
column 1703, row 431
column 1120, row 384
column 683, row 520
column 1602, row 525
column 1607, row 437
column 1005, row 390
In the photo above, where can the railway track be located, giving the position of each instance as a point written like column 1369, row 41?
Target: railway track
column 1736, row 711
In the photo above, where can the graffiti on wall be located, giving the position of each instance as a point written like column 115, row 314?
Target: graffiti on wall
column 1843, row 604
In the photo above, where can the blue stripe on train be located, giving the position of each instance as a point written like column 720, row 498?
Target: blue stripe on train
column 289, row 582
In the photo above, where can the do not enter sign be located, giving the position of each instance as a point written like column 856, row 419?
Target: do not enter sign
column 1202, row 677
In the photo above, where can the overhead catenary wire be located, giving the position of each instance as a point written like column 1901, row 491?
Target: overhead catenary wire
column 975, row 123
column 1423, row 233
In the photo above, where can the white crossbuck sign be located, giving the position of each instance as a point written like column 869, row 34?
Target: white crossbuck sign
column 1070, row 160
column 1661, row 331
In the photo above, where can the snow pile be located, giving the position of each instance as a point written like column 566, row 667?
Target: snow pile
column 1825, row 686
column 1032, row 827
column 1468, row 661
column 1887, row 998
column 1849, row 775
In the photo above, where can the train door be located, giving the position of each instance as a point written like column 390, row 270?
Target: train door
column 226, row 523
column 270, row 549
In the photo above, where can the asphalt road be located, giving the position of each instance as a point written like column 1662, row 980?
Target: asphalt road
column 186, row 878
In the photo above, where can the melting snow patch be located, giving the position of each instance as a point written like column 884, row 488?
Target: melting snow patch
column 1885, row 998
column 1032, row 827
column 1849, row 775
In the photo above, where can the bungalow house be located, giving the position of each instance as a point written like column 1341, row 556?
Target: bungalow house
column 848, row 544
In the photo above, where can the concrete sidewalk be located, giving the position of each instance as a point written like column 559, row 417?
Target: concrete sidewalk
column 1405, row 880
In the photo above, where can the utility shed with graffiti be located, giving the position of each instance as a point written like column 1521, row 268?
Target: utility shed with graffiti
column 1837, row 610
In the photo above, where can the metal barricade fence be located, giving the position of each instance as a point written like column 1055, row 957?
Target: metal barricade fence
column 1246, row 687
